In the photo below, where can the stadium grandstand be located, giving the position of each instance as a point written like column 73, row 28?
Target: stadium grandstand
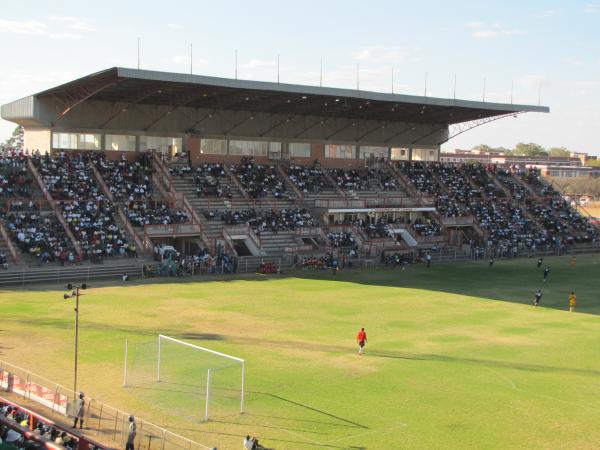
column 162, row 173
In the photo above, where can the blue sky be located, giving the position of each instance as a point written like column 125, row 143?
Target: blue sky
column 555, row 44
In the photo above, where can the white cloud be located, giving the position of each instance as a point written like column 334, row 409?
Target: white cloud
column 73, row 23
column 475, row 24
column 546, row 13
column 572, row 61
column 257, row 64
column 384, row 54
column 175, row 26
column 483, row 30
column 60, row 27
column 64, row 35
column 180, row 59
column 31, row 27
column 592, row 8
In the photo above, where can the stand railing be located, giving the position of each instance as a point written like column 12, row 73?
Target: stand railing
column 333, row 183
column 236, row 182
column 108, row 423
column 140, row 243
column 54, row 206
column 11, row 248
column 290, row 184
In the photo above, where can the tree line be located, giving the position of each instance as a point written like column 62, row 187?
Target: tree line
column 526, row 149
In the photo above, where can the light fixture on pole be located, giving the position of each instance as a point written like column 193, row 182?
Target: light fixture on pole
column 75, row 292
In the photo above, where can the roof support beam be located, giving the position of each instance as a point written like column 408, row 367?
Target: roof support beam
column 410, row 127
column 77, row 100
column 460, row 128
column 159, row 118
column 339, row 130
column 310, row 127
column 281, row 122
column 240, row 123
column 372, row 130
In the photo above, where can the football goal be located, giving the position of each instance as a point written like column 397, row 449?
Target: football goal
column 187, row 378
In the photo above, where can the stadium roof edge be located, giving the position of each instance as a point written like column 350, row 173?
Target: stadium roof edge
column 159, row 76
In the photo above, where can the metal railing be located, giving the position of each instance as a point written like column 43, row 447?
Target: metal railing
column 11, row 247
column 109, row 424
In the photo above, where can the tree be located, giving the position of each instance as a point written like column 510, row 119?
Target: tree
column 530, row 149
column 15, row 141
column 559, row 151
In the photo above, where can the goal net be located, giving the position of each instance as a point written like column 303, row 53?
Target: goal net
column 185, row 378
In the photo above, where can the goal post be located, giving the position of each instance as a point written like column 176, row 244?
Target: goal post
column 189, row 378
column 162, row 337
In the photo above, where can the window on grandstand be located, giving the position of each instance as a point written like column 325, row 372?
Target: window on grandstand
column 377, row 152
column 120, row 142
column 274, row 150
column 76, row 141
column 213, row 146
column 300, row 150
column 424, row 154
column 340, row 151
column 161, row 144
column 248, row 148
column 399, row 154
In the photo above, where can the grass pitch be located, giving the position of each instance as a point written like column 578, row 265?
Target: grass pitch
column 458, row 358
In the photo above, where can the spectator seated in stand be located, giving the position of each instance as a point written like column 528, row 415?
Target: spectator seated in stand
column 309, row 180
column 43, row 238
column 340, row 239
column 127, row 181
column 258, row 180
column 427, row 227
column 141, row 213
column 350, row 180
column 267, row 220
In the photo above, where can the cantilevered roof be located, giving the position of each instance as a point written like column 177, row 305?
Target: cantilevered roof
column 197, row 91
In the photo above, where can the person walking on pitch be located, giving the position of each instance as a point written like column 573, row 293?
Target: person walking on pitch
column 573, row 261
column 572, row 301
column 546, row 272
column 540, row 262
column 538, row 297
column 361, row 339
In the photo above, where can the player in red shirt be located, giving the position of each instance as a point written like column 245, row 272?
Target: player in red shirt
column 361, row 339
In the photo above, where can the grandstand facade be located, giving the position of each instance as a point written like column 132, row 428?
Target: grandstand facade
column 241, row 175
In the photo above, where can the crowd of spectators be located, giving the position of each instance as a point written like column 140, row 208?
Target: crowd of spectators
column 127, row 181
column 41, row 237
column 150, row 212
column 266, row 220
column 427, row 227
column 309, row 180
column 341, row 239
column 15, row 181
column 259, row 180
column 93, row 225
column 13, row 440
column 350, row 180
column 420, row 176
column 67, row 176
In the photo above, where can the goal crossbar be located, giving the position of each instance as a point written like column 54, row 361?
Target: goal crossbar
column 197, row 347
column 208, row 350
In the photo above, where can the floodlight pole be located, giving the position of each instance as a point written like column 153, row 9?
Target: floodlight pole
column 125, row 371
column 76, row 337
column 243, row 378
column 158, row 367
column 207, row 395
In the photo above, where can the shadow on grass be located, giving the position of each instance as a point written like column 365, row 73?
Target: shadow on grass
column 487, row 363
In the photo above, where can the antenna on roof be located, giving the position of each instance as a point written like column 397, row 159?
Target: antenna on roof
column 357, row 77
column 425, row 84
column 138, row 53
column 512, row 88
column 321, row 74
column 236, row 64
column 454, row 94
column 392, row 80
column 277, row 68
column 483, row 89
column 191, row 58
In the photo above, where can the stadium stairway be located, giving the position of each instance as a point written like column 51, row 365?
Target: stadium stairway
column 274, row 243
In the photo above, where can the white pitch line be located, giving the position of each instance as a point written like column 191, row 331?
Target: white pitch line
column 383, row 430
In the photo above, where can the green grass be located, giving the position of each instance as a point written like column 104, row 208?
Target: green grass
column 457, row 358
